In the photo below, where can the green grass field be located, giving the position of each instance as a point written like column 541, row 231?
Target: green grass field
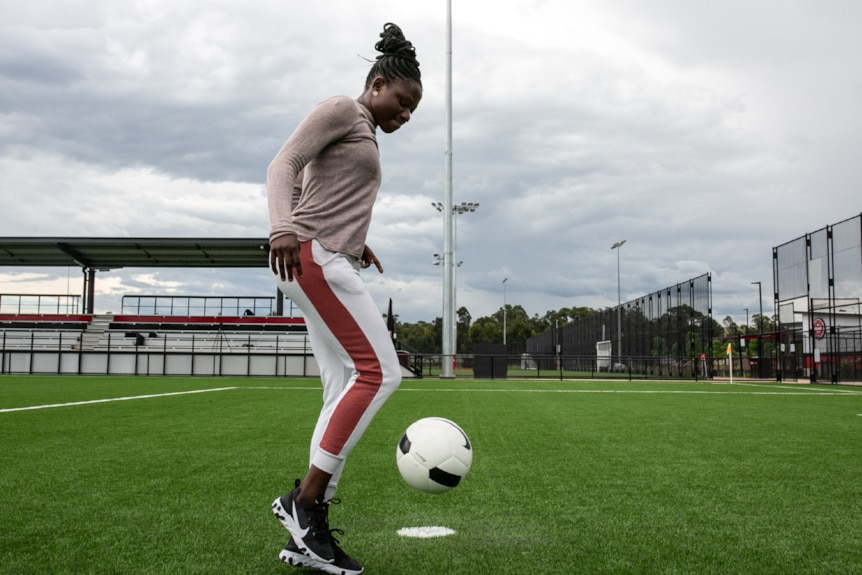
column 568, row 477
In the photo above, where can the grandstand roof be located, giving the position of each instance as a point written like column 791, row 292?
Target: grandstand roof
column 114, row 253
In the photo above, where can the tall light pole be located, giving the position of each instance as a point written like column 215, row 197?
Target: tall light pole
column 450, row 323
column 446, row 367
column 759, row 332
column 504, row 309
column 462, row 208
column 617, row 247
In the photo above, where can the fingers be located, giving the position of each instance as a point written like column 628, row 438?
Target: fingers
column 377, row 264
column 276, row 264
column 273, row 262
column 288, row 269
column 284, row 261
column 367, row 261
column 369, row 258
column 290, row 266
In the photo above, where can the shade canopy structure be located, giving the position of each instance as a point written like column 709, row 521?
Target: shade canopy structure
column 105, row 254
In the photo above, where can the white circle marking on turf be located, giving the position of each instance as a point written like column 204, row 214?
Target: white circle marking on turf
column 425, row 532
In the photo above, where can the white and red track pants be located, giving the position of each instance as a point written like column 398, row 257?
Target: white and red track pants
column 358, row 364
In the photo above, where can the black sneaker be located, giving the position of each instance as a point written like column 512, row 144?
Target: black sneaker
column 308, row 525
column 343, row 564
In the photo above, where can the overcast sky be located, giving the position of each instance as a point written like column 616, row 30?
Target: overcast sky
column 702, row 133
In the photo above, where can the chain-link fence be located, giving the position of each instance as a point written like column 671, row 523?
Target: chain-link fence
column 818, row 288
column 668, row 332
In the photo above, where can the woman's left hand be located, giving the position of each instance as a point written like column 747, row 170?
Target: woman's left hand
column 369, row 258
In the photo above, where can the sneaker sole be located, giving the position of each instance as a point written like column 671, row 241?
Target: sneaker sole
column 289, row 523
column 295, row 559
column 302, row 560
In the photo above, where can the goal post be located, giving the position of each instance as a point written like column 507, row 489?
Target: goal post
column 603, row 355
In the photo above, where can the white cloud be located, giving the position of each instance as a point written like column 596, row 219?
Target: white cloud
column 704, row 135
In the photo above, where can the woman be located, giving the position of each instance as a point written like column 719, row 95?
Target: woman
column 321, row 189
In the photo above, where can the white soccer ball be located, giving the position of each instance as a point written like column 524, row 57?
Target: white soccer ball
column 434, row 455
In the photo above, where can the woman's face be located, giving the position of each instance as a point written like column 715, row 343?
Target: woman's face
column 394, row 103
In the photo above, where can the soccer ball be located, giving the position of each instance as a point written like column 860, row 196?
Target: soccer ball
column 434, row 455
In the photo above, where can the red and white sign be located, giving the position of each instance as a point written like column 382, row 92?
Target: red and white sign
column 819, row 328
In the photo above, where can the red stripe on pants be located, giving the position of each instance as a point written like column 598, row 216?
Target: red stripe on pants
column 353, row 404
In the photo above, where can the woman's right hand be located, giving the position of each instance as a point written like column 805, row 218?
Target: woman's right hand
column 284, row 257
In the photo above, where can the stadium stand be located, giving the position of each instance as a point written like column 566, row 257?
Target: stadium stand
column 42, row 331
column 244, row 336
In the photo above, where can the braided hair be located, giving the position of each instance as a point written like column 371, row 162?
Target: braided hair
column 397, row 59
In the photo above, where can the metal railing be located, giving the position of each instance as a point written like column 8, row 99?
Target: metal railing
column 173, row 305
column 19, row 303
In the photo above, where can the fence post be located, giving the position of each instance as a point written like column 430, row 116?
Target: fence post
column 275, row 367
column 32, row 345
column 248, row 357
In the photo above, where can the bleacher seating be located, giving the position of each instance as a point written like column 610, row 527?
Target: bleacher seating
column 157, row 333
column 42, row 331
column 206, row 334
column 156, row 344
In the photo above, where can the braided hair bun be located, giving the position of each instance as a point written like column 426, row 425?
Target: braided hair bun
column 397, row 59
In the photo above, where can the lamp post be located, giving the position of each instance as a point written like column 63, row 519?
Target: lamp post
column 504, row 309
column 462, row 208
column 446, row 367
column 617, row 247
column 759, row 332
column 450, row 324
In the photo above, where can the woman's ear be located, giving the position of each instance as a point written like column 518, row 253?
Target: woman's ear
column 377, row 83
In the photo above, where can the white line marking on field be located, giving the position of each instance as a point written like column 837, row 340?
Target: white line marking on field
column 280, row 387
column 812, row 389
column 808, row 392
column 644, row 391
column 32, row 407
column 425, row 532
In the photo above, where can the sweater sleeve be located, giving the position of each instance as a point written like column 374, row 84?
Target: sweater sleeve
column 325, row 124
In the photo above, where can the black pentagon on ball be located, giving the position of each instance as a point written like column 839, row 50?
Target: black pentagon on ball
column 444, row 477
column 404, row 444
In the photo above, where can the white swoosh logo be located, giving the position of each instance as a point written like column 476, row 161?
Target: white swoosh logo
column 300, row 534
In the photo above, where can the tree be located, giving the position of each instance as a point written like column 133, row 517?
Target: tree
column 554, row 319
column 730, row 327
column 462, row 331
column 518, row 323
column 486, row 330
column 421, row 337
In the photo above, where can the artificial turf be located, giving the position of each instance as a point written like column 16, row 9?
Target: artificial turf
column 568, row 477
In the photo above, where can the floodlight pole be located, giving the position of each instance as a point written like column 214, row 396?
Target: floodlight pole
column 462, row 208
column 452, row 325
column 617, row 247
column 446, row 368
